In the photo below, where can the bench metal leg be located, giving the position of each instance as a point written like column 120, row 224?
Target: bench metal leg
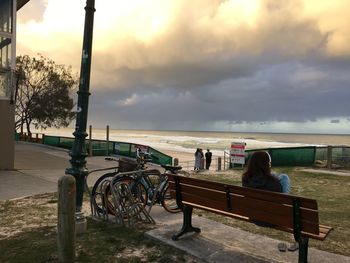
column 303, row 248
column 187, row 223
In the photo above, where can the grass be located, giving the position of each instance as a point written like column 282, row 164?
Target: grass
column 28, row 225
column 332, row 195
column 28, row 235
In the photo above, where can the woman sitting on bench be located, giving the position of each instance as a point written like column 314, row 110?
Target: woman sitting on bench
column 259, row 176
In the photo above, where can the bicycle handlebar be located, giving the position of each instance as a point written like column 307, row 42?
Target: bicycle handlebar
column 110, row 159
column 144, row 157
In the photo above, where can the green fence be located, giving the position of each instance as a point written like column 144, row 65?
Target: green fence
column 296, row 156
column 99, row 148
column 340, row 156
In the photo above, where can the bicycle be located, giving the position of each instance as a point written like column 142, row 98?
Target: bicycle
column 141, row 184
column 150, row 192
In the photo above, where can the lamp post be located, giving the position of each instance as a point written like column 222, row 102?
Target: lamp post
column 78, row 153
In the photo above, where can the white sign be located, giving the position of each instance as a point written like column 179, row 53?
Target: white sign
column 237, row 152
column 142, row 148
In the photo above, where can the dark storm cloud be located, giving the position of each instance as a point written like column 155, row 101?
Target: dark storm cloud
column 187, row 75
column 293, row 91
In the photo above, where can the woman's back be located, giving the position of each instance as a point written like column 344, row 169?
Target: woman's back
column 260, row 181
column 258, row 174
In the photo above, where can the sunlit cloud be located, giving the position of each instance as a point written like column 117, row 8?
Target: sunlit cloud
column 136, row 34
column 205, row 60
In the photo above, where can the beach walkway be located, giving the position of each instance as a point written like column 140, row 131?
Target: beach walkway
column 38, row 168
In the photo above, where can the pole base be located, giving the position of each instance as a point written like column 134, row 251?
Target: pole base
column 80, row 223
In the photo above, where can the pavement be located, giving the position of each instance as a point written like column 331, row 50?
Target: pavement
column 38, row 168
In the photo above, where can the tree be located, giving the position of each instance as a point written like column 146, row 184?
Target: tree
column 43, row 93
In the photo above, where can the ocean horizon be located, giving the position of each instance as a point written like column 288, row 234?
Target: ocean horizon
column 217, row 141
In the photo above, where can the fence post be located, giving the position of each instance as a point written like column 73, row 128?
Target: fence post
column 90, row 141
column 224, row 160
column 66, row 219
column 107, row 140
column 219, row 163
column 329, row 157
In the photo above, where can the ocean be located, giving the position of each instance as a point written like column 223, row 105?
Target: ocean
column 217, row 142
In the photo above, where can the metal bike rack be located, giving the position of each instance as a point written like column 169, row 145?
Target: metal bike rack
column 127, row 206
column 127, row 209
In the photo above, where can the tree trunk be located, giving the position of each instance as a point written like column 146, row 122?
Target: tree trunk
column 28, row 122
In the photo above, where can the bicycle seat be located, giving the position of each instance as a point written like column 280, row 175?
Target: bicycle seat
column 171, row 168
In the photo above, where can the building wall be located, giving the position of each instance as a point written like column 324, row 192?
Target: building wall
column 8, row 12
column 7, row 146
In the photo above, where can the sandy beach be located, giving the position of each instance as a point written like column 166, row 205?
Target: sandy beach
column 182, row 156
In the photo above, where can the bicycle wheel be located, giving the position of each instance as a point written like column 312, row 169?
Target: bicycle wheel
column 137, row 189
column 97, row 197
column 169, row 203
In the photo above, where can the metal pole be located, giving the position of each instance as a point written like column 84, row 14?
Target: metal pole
column 329, row 157
column 107, row 140
column 90, row 140
column 78, row 152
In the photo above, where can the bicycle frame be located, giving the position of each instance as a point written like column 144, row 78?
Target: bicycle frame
column 143, row 178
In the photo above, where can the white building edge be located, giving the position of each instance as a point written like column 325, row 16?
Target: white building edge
column 8, row 14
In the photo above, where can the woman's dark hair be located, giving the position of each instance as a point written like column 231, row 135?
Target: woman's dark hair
column 258, row 164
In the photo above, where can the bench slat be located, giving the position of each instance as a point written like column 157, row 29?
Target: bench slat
column 261, row 194
column 272, row 207
column 321, row 236
column 256, row 210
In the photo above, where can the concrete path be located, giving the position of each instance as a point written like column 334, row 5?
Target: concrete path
column 325, row 171
column 38, row 168
column 220, row 243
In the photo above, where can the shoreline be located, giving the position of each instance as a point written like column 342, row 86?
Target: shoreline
column 181, row 156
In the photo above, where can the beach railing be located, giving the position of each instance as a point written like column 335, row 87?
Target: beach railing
column 30, row 137
column 188, row 165
column 304, row 156
column 98, row 147
column 333, row 156
column 336, row 156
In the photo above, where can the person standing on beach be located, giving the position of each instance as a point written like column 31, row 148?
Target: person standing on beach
column 197, row 162
column 208, row 156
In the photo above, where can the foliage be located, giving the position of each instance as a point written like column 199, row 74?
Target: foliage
column 43, row 93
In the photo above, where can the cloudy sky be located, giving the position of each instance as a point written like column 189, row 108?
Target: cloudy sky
column 238, row 65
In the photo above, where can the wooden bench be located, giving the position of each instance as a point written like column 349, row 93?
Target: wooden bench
column 288, row 213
